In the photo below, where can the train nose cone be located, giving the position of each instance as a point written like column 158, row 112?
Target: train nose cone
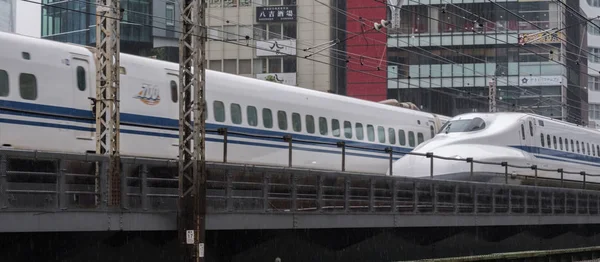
column 411, row 166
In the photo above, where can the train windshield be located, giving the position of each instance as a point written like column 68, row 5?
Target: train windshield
column 463, row 125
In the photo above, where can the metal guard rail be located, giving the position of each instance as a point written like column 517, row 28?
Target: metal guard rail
column 55, row 181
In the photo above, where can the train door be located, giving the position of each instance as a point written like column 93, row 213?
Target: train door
column 173, row 84
column 83, row 87
column 527, row 130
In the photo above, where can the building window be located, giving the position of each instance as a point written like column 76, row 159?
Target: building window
column 275, row 65
column 289, row 31
column 594, row 83
column 215, row 65
column 170, row 13
column 230, row 66
column 594, row 55
column 289, row 64
column 245, row 67
column 594, row 111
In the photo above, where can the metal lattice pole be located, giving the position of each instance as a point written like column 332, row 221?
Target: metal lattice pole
column 107, row 90
column 192, row 168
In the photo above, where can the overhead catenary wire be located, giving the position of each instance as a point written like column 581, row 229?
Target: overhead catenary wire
column 434, row 90
column 246, row 45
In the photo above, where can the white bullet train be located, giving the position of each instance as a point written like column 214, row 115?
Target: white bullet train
column 517, row 138
column 45, row 90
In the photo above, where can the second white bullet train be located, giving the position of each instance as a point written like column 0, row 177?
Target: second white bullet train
column 517, row 138
column 45, row 88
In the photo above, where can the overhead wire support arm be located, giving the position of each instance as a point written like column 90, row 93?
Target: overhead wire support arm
column 192, row 168
column 108, row 17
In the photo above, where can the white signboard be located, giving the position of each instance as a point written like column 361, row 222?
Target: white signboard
column 540, row 80
column 282, row 78
column 201, row 250
column 189, row 237
column 276, row 47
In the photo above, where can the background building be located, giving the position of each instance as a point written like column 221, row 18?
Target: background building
column 592, row 9
column 443, row 55
column 143, row 32
column 280, row 30
column 8, row 14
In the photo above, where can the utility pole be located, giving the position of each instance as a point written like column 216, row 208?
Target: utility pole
column 492, row 95
column 108, row 17
column 192, row 104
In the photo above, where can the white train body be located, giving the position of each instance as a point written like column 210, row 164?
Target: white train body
column 45, row 88
column 517, row 138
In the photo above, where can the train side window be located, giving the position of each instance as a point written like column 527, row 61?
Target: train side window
column 548, row 139
column 420, row 138
column 310, row 124
column 252, row 115
column 554, row 141
column 323, row 126
column 523, row 131
column 593, row 150
column 219, row 109
column 588, row 149
column 335, row 127
column 583, row 147
column 560, row 143
column 3, row 83
column 598, row 149
column 542, row 139
column 566, row 144
column 236, row 113
column 282, row 120
column 530, row 128
column 572, row 146
column 296, row 122
column 371, row 133
column 411, row 139
column 381, row 134
column 360, row 133
column 347, row 129
column 578, row 149
column 267, row 118
column 81, row 80
column 28, row 86
column 401, row 137
column 392, row 135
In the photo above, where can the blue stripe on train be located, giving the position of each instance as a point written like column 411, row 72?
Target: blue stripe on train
column 73, row 117
column 85, row 116
column 558, row 155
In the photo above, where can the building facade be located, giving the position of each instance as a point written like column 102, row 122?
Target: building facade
column 267, row 40
column 592, row 9
column 441, row 55
column 8, row 14
column 147, row 27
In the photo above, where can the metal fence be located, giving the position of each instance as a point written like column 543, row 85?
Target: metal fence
column 560, row 172
column 55, row 182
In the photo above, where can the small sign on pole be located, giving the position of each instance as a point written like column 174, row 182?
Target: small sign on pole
column 189, row 237
column 201, row 250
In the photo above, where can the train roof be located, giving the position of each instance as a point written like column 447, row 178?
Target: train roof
column 70, row 47
column 540, row 117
